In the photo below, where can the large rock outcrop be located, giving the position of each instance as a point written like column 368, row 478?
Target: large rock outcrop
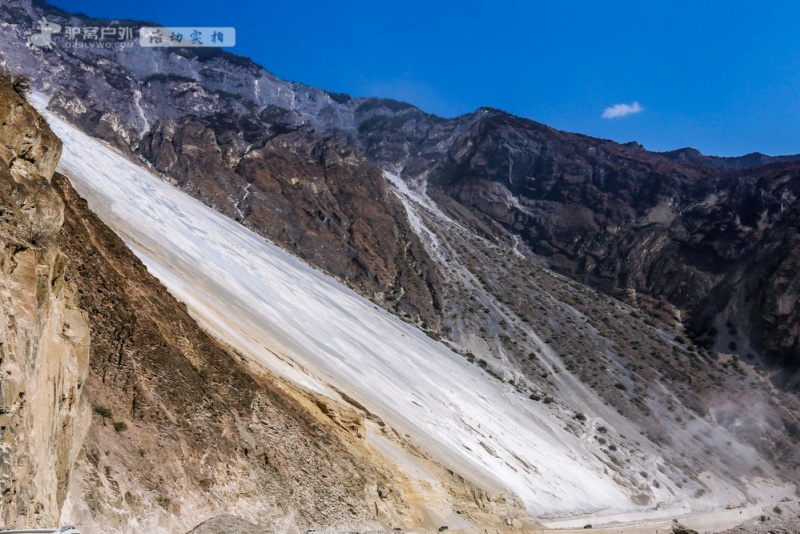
column 44, row 335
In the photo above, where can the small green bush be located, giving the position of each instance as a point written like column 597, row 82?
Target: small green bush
column 104, row 412
column 120, row 426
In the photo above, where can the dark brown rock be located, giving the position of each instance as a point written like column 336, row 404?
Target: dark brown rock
column 717, row 245
column 314, row 196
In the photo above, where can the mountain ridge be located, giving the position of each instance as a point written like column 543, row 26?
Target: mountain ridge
column 459, row 226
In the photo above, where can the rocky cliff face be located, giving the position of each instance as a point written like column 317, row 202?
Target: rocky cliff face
column 44, row 335
column 221, row 114
column 120, row 414
column 199, row 432
column 715, row 245
column 205, row 433
column 677, row 228
column 315, row 196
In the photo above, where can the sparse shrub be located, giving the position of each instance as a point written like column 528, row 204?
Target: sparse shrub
column 549, row 400
column 104, row 412
column 120, row 426
column 778, row 510
column 535, row 396
column 732, row 345
column 164, row 502
column 602, row 429
column 620, row 386
column 580, row 417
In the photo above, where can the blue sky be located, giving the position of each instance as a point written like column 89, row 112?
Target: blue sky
column 723, row 77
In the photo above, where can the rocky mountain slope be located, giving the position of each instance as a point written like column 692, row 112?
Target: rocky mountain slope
column 120, row 414
column 754, row 159
column 665, row 376
column 519, row 421
column 315, row 196
column 665, row 226
column 244, row 130
column 716, row 247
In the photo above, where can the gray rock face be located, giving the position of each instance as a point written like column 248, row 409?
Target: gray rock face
column 229, row 133
column 754, row 159
column 715, row 244
column 678, row 227
column 226, row 524
column 315, row 196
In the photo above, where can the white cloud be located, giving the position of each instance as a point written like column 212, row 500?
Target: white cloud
column 622, row 110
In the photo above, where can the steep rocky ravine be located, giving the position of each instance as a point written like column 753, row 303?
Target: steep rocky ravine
column 119, row 413
column 271, row 160
column 710, row 251
column 203, row 435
